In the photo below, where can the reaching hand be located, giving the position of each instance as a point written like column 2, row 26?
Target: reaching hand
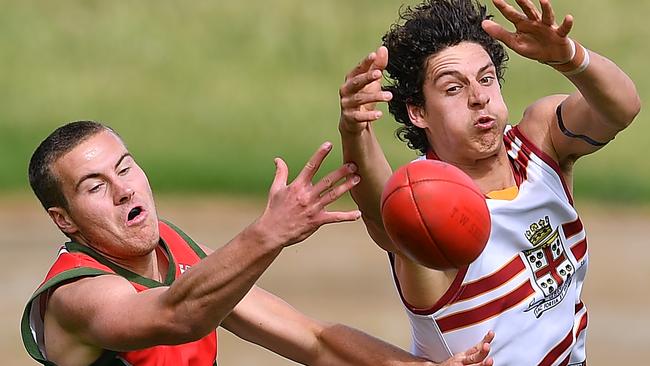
column 476, row 356
column 361, row 92
column 297, row 210
column 537, row 36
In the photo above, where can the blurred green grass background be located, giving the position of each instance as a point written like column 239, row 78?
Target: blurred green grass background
column 206, row 93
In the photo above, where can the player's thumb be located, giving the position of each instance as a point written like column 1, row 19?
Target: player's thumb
column 381, row 61
column 281, row 175
column 495, row 30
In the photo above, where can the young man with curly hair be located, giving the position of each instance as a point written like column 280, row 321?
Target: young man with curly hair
column 444, row 65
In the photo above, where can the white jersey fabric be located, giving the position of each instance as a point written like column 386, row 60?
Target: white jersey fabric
column 525, row 285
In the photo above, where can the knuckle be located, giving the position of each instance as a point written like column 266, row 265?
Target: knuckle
column 310, row 165
column 343, row 90
column 328, row 181
column 332, row 195
column 303, row 201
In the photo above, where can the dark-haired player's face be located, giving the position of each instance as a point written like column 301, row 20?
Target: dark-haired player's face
column 464, row 113
column 110, row 204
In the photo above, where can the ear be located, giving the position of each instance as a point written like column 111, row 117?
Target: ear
column 416, row 115
column 63, row 220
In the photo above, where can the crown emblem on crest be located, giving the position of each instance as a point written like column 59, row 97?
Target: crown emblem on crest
column 539, row 231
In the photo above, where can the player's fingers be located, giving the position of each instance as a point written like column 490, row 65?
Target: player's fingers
column 314, row 163
column 361, row 98
column 340, row 216
column 479, row 355
column 336, row 192
column 529, row 9
column 330, row 180
column 497, row 31
column 479, row 352
column 381, row 59
column 508, row 11
column 358, row 82
column 489, row 337
column 548, row 15
column 362, row 66
column 362, row 116
column 281, row 174
column 564, row 28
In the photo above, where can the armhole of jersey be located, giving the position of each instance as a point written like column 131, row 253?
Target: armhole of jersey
column 31, row 344
column 546, row 159
column 449, row 295
column 195, row 247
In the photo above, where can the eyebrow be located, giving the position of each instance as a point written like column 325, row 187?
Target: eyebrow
column 95, row 175
column 458, row 74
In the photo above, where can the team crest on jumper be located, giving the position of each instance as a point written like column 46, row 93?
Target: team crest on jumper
column 551, row 267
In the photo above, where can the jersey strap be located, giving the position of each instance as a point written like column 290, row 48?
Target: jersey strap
column 75, row 261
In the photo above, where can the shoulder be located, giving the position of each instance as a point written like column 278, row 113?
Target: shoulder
column 537, row 121
column 75, row 301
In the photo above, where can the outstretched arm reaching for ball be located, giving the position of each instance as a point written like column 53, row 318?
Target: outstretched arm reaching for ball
column 92, row 314
column 266, row 320
column 359, row 95
column 605, row 102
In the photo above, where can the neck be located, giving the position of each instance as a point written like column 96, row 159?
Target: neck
column 151, row 265
column 490, row 174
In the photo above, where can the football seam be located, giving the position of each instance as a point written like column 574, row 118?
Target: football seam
column 393, row 192
column 448, row 181
column 421, row 220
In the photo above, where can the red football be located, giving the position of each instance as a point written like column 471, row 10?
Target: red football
column 435, row 214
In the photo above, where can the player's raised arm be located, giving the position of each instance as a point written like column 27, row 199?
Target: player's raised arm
column 106, row 312
column 360, row 94
column 606, row 100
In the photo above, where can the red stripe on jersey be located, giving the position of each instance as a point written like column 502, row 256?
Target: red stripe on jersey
column 446, row 298
column 565, row 361
column 518, row 170
column 584, row 320
column 529, row 147
column 580, row 249
column 492, row 281
column 523, row 161
column 579, row 306
column 572, row 228
column 486, row 311
column 558, row 350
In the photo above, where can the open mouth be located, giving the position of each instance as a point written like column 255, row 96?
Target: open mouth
column 485, row 122
column 135, row 212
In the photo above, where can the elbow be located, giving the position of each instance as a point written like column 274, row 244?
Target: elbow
column 621, row 117
column 178, row 329
column 631, row 110
column 635, row 109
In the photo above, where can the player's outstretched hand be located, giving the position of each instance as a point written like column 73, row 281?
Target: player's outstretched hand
column 361, row 91
column 537, row 36
column 475, row 356
column 295, row 211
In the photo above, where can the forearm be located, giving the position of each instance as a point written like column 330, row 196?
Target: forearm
column 364, row 150
column 341, row 345
column 608, row 91
column 207, row 292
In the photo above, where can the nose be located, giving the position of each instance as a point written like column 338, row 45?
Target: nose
column 478, row 98
column 123, row 193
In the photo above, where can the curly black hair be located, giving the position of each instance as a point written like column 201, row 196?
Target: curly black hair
column 419, row 33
